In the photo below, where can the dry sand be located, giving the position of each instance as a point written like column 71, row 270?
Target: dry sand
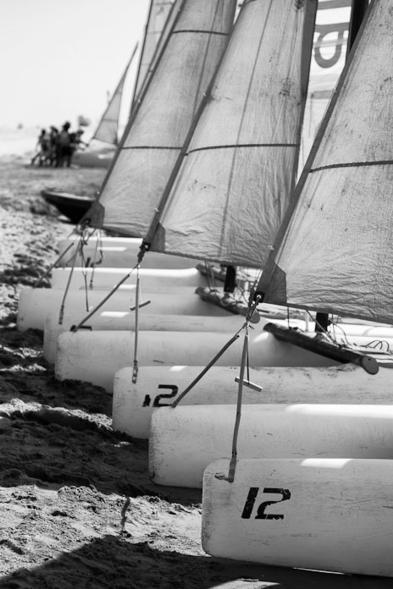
column 77, row 508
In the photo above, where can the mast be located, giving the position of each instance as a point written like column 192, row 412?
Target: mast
column 358, row 12
column 107, row 128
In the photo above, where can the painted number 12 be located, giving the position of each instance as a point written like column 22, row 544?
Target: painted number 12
column 158, row 399
column 251, row 498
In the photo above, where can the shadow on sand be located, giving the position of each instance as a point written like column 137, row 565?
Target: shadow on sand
column 114, row 562
column 57, row 447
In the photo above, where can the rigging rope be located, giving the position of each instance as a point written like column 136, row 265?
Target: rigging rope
column 98, row 248
column 209, row 275
column 84, row 242
column 252, row 305
column 103, row 301
column 55, row 263
column 232, row 464
column 136, row 329
column 379, row 344
column 207, row 367
column 68, row 285
column 86, row 287
column 332, row 336
column 52, row 266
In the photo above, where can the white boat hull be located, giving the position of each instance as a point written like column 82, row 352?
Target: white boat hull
column 133, row 404
column 183, row 441
column 35, row 304
column 106, row 278
column 312, row 513
column 125, row 321
column 131, row 242
column 118, row 253
column 96, row 356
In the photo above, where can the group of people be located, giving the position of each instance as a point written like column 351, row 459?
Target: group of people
column 56, row 148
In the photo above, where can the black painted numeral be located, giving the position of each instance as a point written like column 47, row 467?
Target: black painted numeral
column 174, row 390
column 250, row 502
column 251, row 498
column 157, row 400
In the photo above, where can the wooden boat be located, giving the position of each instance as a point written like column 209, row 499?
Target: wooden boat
column 70, row 205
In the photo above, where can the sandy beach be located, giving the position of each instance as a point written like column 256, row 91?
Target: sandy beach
column 77, row 507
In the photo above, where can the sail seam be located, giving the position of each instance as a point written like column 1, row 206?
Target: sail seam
column 200, row 31
column 150, row 147
column 351, row 165
column 229, row 146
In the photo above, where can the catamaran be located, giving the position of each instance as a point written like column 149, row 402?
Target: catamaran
column 290, row 66
column 287, row 355
column 198, row 38
column 313, row 512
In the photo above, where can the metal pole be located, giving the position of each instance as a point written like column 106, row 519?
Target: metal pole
column 358, row 11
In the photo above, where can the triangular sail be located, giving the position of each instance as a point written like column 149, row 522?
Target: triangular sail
column 155, row 33
column 158, row 128
column 236, row 179
column 108, row 127
column 336, row 253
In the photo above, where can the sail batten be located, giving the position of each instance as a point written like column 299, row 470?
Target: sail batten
column 176, row 147
column 236, row 178
column 156, row 133
column 351, row 165
column 240, row 145
column 335, row 252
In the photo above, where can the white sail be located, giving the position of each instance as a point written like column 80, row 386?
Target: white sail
column 108, row 127
column 327, row 63
column 236, row 179
column 157, row 131
column 336, row 253
column 156, row 25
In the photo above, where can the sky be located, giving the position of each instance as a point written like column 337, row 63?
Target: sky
column 61, row 57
